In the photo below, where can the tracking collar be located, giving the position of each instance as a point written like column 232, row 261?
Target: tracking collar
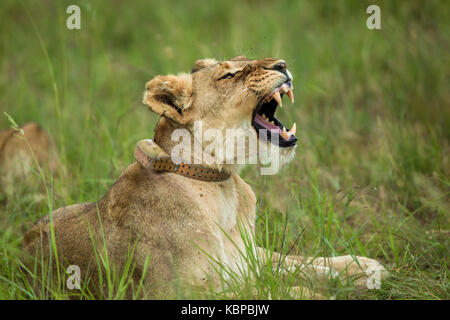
column 151, row 156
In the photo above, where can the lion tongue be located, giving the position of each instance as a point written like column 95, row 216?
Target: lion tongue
column 265, row 124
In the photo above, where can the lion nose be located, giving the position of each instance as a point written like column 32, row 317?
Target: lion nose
column 279, row 66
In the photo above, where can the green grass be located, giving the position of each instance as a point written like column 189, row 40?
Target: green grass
column 371, row 175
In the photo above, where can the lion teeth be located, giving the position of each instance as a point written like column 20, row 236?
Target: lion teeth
column 291, row 95
column 277, row 98
column 285, row 88
column 293, row 130
column 284, row 134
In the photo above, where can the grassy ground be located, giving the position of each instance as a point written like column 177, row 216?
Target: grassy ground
column 371, row 176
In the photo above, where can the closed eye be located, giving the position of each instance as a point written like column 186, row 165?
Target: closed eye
column 228, row 75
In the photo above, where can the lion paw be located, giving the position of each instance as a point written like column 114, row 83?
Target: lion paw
column 368, row 273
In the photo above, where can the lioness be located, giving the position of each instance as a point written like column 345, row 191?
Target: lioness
column 18, row 154
column 181, row 220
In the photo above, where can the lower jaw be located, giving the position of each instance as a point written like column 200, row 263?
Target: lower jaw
column 274, row 137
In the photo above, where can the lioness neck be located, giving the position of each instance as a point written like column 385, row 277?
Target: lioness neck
column 163, row 137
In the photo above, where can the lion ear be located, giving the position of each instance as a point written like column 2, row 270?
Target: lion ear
column 170, row 96
column 203, row 63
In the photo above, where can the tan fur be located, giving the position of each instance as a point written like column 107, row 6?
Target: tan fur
column 16, row 158
column 176, row 220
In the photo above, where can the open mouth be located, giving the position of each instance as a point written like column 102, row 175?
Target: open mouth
column 267, row 126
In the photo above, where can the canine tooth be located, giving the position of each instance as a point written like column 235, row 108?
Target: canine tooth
column 277, row 98
column 284, row 134
column 285, row 88
column 264, row 116
column 293, row 129
column 291, row 95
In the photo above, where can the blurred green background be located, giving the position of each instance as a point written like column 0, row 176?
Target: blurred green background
column 371, row 175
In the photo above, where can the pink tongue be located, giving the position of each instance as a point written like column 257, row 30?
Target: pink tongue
column 265, row 124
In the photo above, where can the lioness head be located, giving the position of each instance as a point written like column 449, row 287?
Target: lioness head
column 238, row 96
